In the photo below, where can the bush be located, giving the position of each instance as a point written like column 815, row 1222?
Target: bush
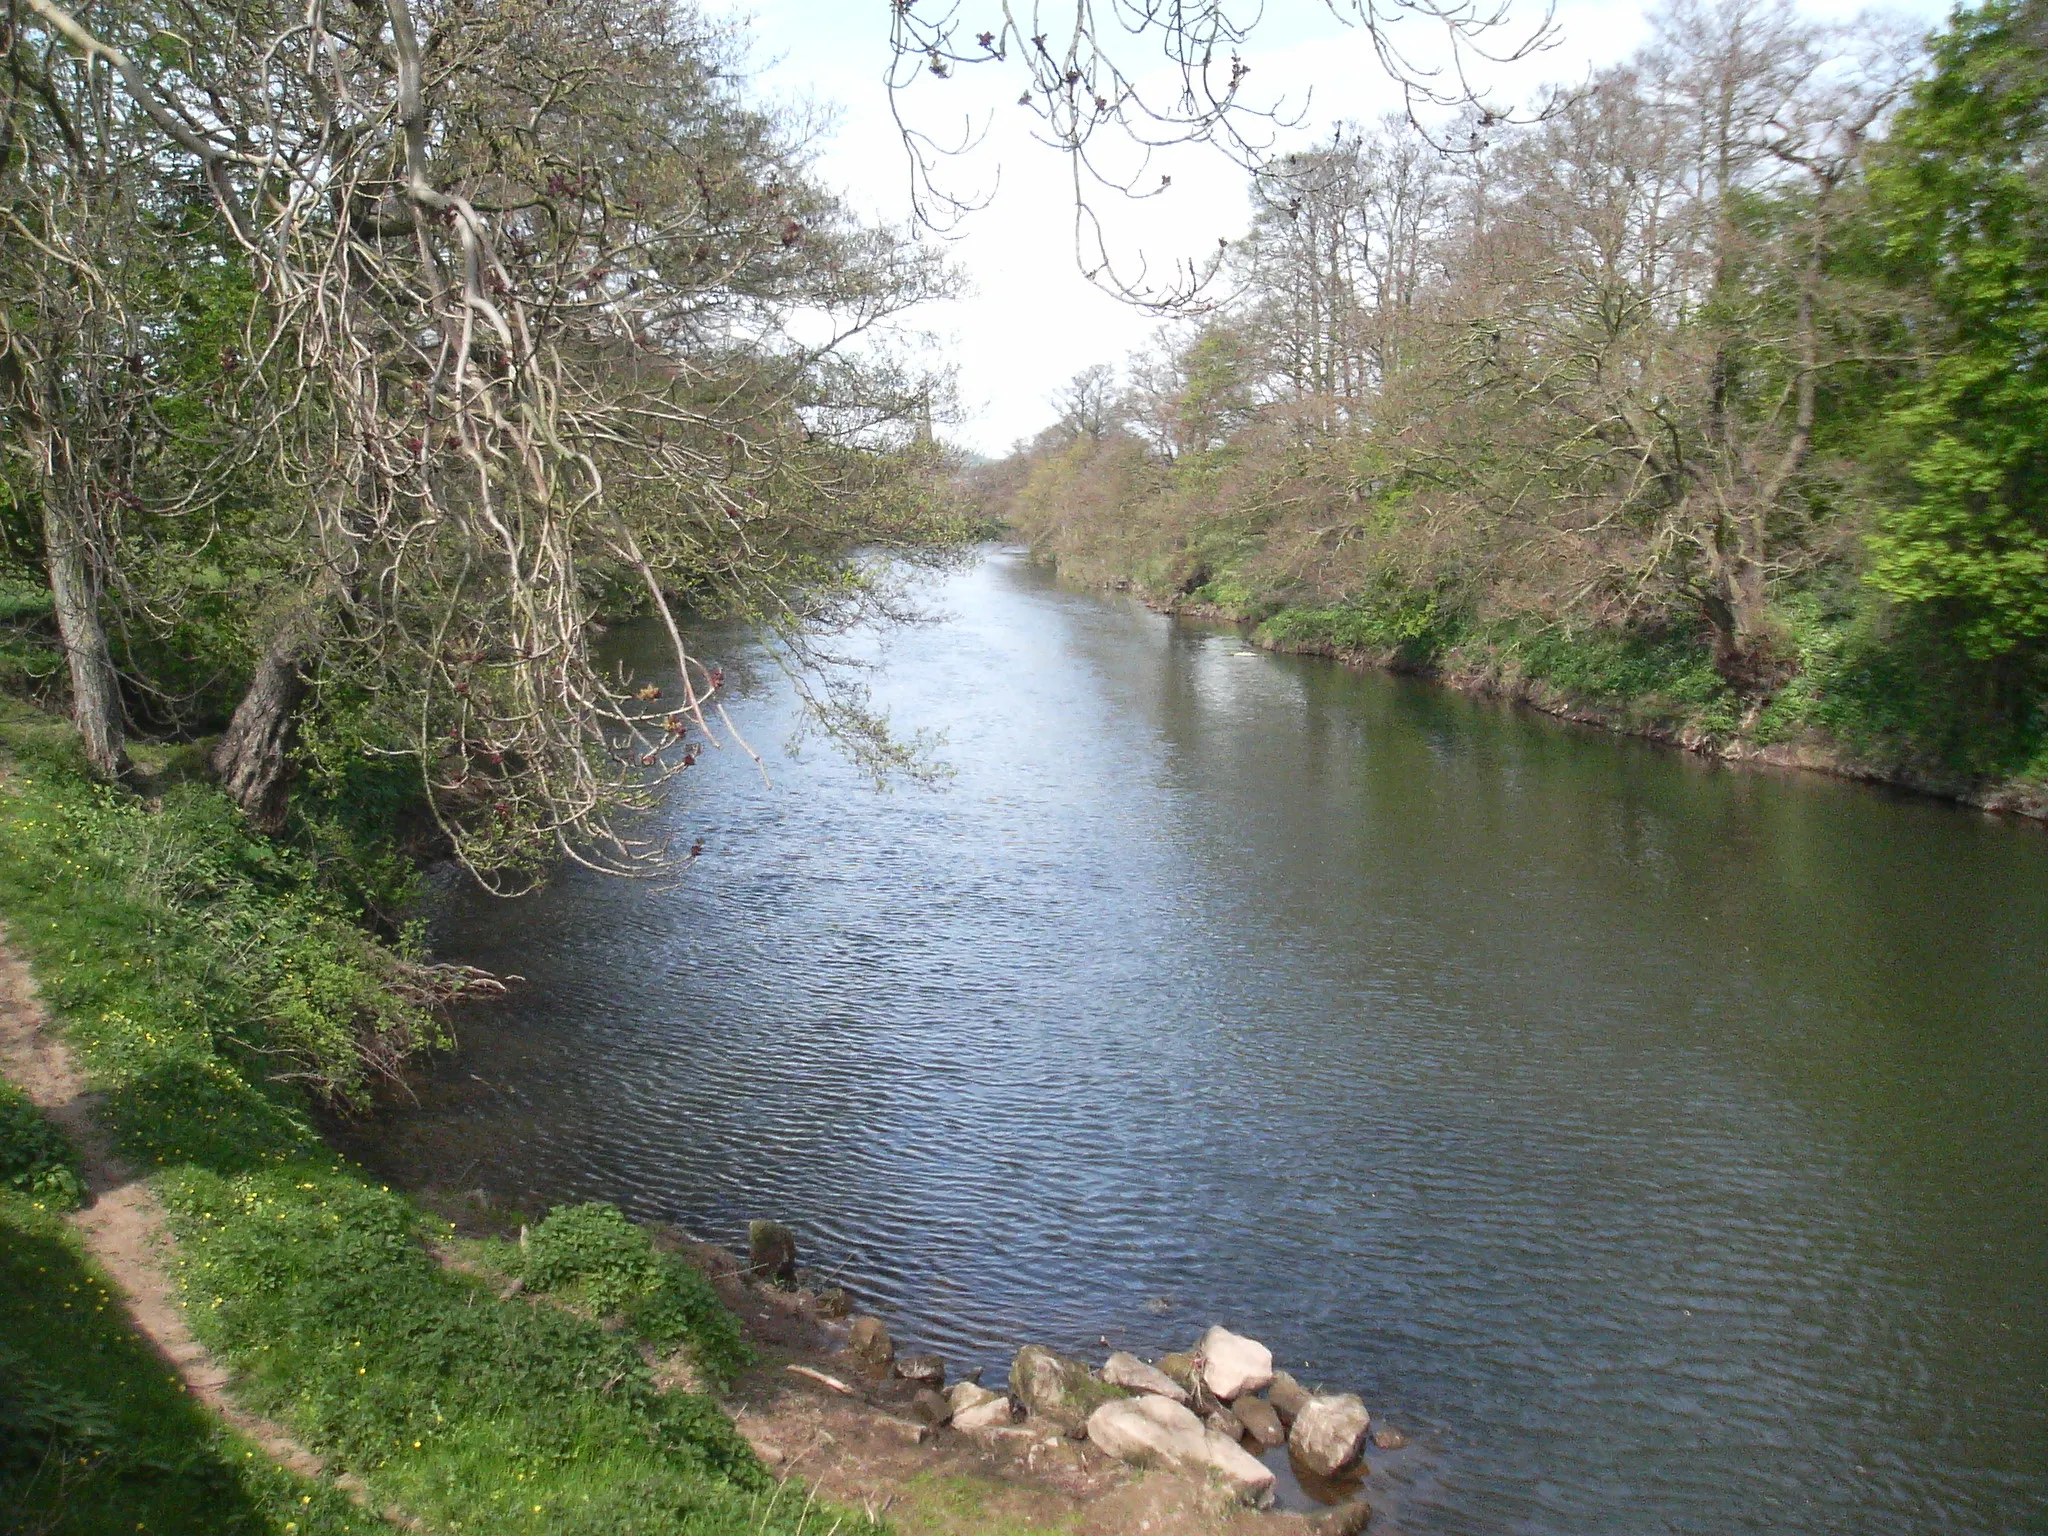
column 594, row 1253
column 34, row 1159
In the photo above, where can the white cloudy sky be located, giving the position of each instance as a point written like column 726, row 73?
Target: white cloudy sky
column 1030, row 320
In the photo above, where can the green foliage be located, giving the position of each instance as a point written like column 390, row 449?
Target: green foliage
column 1961, row 193
column 1891, row 687
column 471, row 1411
column 34, row 1159
column 318, row 1287
column 268, row 965
column 1652, row 678
column 593, row 1253
column 1411, row 627
column 98, row 1439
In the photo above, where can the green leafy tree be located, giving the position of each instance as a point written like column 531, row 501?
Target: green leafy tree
column 1962, row 197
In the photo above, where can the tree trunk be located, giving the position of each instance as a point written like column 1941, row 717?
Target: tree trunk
column 75, row 592
column 253, row 759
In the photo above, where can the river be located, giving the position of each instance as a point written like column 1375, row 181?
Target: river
column 1662, row 1145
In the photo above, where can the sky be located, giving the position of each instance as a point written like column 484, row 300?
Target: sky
column 1029, row 319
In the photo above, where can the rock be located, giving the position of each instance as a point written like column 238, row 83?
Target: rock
column 834, row 1302
column 909, row 1431
column 1252, row 1478
column 968, row 1394
column 1046, row 1383
column 1157, row 1429
column 771, row 1252
column 1233, row 1365
column 1259, row 1420
column 1347, row 1519
column 1225, row 1423
column 1287, row 1396
column 1134, row 1375
column 868, row 1343
column 930, row 1407
column 978, row 1408
column 925, row 1370
column 1389, row 1439
column 1329, row 1433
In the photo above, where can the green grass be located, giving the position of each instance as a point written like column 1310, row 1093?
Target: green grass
column 34, row 1161
column 197, row 973
column 96, row 1436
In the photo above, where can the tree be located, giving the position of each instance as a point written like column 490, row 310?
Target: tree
column 1961, row 192
column 539, row 306
column 1088, row 403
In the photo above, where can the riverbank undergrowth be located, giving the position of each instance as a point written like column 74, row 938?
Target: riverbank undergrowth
column 201, row 977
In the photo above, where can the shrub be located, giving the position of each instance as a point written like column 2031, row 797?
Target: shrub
column 606, row 1261
column 34, row 1159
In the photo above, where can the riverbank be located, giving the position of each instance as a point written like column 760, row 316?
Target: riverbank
column 218, row 1323
column 1831, row 715
column 183, row 966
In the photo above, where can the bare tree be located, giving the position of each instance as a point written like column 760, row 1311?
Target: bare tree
column 1087, row 403
column 1082, row 71
column 535, row 297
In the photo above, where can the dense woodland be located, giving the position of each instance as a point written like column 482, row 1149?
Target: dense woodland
column 1708, row 396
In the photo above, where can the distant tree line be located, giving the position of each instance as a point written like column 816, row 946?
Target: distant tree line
column 1740, row 342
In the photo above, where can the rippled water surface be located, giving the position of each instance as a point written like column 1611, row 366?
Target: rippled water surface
column 1663, row 1145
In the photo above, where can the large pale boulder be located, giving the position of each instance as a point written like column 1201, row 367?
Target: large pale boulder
column 1046, row 1383
column 1329, row 1433
column 1252, row 1478
column 1134, row 1375
column 1225, row 1423
column 976, row 1407
column 1233, row 1364
column 1157, row 1429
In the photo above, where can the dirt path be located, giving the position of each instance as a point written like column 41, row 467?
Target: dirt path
column 122, row 1224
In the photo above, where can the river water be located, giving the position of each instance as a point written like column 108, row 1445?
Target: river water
column 1663, row 1146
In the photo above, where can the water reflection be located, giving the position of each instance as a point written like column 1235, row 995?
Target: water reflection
column 1663, row 1144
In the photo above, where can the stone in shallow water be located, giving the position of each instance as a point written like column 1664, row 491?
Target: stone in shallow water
column 1259, row 1420
column 1329, row 1433
column 926, row 1370
column 1233, row 1364
column 1347, row 1519
column 1287, row 1396
column 1134, row 1375
column 771, row 1252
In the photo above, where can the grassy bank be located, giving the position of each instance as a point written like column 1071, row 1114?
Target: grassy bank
column 207, row 981
column 1865, row 692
